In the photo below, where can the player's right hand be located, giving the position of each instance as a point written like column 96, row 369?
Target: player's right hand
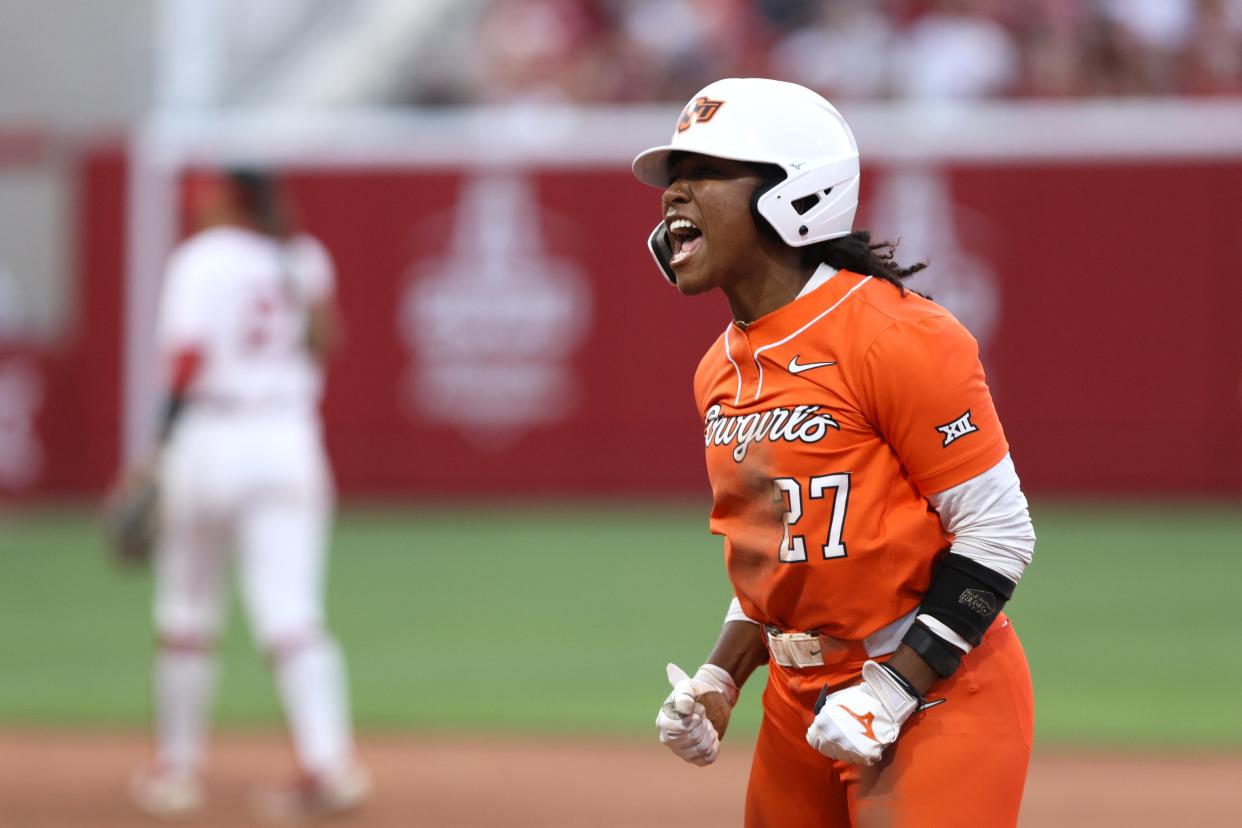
column 683, row 722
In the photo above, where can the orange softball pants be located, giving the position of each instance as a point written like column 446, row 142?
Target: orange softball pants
column 961, row 763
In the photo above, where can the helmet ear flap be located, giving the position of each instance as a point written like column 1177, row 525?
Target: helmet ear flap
column 815, row 206
column 662, row 251
column 771, row 180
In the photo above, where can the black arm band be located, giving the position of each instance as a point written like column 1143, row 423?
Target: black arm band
column 966, row 596
column 939, row 654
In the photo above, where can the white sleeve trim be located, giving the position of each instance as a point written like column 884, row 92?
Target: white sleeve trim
column 735, row 613
column 989, row 520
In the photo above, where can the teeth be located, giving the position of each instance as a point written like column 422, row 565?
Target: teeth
column 681, row 224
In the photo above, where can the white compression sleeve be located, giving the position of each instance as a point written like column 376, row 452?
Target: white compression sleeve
column 989, row 520
column 735, row 612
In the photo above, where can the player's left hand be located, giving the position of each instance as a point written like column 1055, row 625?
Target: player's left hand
column 856, row 724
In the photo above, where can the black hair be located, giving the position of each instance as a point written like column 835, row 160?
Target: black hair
column 259, row 197
column 858, row 254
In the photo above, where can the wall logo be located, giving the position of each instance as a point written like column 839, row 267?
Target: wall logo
column 21, row 395
column 917, row 201
column 492, row 324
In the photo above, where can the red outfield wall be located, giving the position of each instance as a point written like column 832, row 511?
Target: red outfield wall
column 507, row 332
column 60, row 397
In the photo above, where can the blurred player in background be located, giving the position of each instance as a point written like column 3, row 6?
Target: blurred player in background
column 245, row 321
column 874, row 524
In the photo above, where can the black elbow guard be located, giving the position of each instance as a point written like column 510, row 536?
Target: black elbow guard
column 966, row 597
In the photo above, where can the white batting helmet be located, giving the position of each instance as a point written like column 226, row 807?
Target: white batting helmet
column 769, row 122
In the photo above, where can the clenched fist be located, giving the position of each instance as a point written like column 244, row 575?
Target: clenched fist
column 695, row 715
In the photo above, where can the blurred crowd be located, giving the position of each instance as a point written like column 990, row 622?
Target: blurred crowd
column 604, row 51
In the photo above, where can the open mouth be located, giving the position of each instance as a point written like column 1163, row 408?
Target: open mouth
column 686, row 239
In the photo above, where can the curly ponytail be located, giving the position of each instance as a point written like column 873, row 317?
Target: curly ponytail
column 855, row 252
column 858, row 254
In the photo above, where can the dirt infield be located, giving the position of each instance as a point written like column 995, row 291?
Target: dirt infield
column 68, row 780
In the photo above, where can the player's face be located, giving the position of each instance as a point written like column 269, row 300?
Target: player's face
column 707, row 212
column 212, row 201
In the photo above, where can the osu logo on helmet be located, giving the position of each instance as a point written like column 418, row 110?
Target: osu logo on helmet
column 700, row 110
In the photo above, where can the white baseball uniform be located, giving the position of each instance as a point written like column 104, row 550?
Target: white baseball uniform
column 245, row 474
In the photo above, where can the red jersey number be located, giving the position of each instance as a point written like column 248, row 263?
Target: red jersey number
column 267, row 324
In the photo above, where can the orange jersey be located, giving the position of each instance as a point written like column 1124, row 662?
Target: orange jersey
column 827, row 422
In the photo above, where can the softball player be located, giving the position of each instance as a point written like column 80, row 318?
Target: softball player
column 245, row 318
column 873, row 522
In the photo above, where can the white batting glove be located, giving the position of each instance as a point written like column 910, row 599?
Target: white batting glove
column 855, row 724
column 682, row 722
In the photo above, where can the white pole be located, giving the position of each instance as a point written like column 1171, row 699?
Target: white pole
column 151, row 211
column 190, row 54
column 190, row 59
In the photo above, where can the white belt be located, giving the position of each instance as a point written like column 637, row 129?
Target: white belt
column 797, row 649
column 813, row 649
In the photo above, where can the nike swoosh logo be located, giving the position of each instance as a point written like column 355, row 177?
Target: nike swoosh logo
column 797, row 368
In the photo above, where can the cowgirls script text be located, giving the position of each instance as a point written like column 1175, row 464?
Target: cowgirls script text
column 802, row 423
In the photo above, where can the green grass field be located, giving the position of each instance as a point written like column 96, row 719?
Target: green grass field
column 560, row 619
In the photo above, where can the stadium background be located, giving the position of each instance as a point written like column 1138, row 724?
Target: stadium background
column 511, row 422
